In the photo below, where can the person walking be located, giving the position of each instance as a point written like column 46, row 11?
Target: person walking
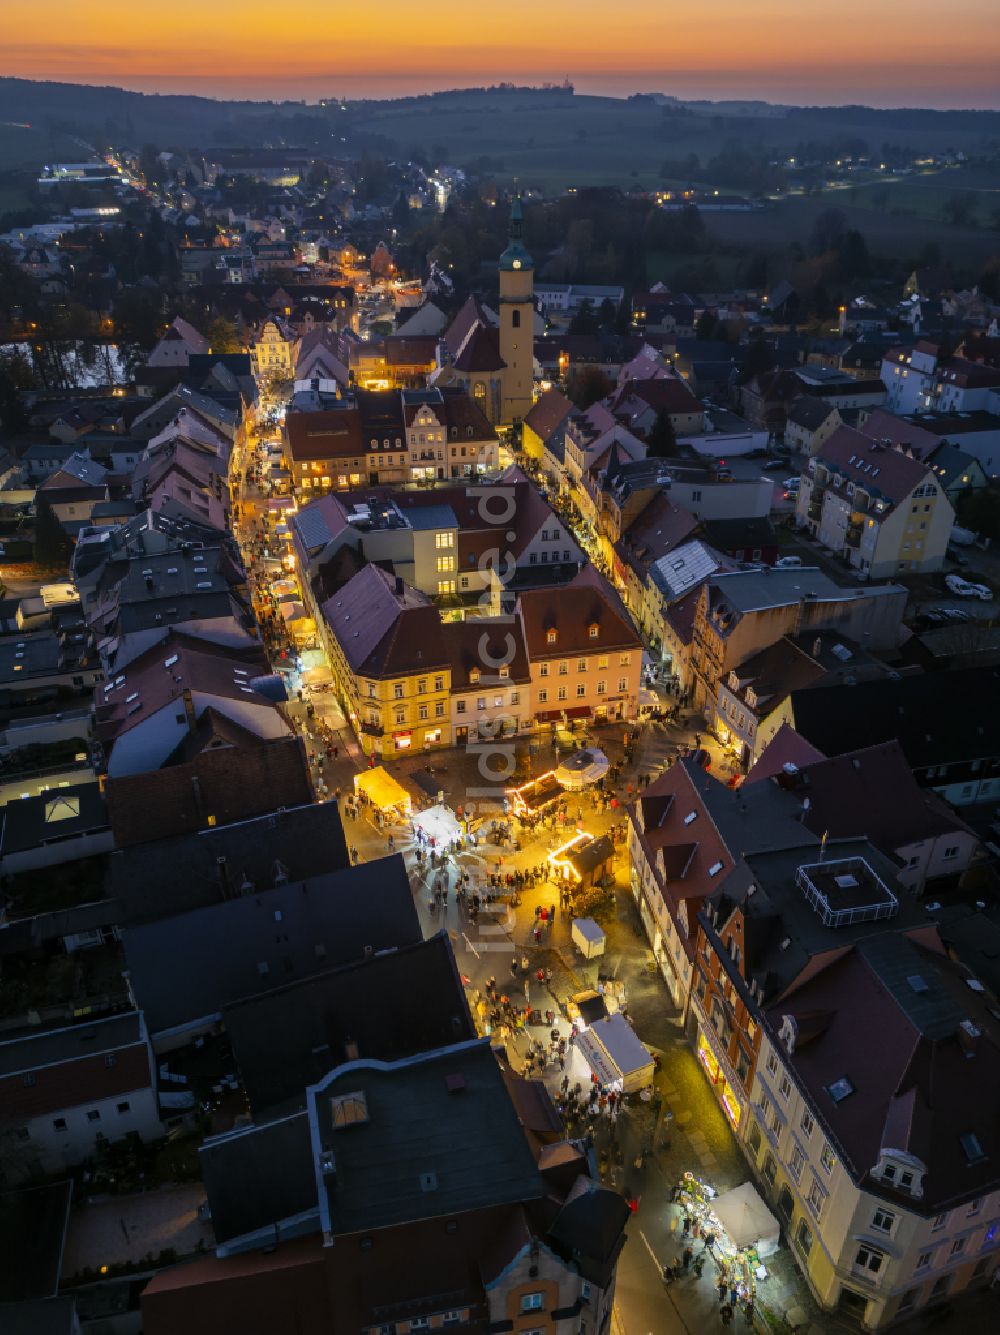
column 687, row 1225
column 686, row 1258
column 726, row 1314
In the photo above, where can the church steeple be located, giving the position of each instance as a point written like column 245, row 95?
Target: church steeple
column 517, row 314
column 515, row 256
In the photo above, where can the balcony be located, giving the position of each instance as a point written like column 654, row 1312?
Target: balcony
column 371, row 729
column 846, row 890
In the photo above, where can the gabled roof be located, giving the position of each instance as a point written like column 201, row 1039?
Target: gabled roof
column 786, row 747
column 193, row 964
column 287, row 1039
column 896, row 1008
column 385, row 630
column 464, row 643
column 570, row 611
column 335, row 434
column 548, row 413
column 808, row 412
column 871, row 792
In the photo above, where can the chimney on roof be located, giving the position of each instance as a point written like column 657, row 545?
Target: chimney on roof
column 223, row 870
column 399, row 586
column 189, row 710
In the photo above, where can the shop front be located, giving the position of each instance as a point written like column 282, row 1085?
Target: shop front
column 720, row 1073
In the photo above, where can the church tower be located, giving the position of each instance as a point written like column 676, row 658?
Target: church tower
column 517, row 322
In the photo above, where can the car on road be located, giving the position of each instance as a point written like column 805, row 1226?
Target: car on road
column 982, row 591
column 787, row 562
column 777, row 465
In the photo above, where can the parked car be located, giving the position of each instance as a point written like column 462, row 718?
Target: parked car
column 776, row 465
column 982, row 591
column 791, row 483
column 787, row 562
column 957, row 585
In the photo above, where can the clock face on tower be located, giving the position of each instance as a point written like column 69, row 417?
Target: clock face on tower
column 516, row 264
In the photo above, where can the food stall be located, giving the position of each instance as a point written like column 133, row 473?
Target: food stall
column 582, row 859
column 588, row 938
column 535, row 795
column 381, row 790
column 746, row 1220
column 616, row 1056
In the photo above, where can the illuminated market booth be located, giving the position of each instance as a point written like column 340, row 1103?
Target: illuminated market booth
column 533, row 797
column 381, row 790
column 582, row 859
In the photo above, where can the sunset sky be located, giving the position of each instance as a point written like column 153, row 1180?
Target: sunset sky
column 897, row 52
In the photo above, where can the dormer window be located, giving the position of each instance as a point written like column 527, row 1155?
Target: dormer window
column 593, row 630
column 504, row 670
column 474, row 675
column 551, row 636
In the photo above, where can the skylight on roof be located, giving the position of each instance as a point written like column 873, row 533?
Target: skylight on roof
column 169, row 662
column 715, row 868
column 692, row 815
column 840, row 1089
column 974, row 1152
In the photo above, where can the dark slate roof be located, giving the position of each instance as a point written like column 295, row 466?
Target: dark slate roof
column 939, row 718
column 259, row 1176
column 440, row 1136
column 44, row 1316
column 194, row 964
column 590, row 1228
column 289, row 1038
column 46, row 818
column 306, row 841
column 32, row 1236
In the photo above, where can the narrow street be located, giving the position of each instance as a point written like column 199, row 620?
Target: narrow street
column 521, row 968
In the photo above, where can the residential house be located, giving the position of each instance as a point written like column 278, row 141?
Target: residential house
column 73, row 490
column 741, row 612
column 272, row 351
column 658, row 528
column 544, row 428
column 490, row 695
column 173, row 351
column 585, row 658
column 778, row 917
column 470, row 1250
column 879, row 509
column 873, row 1126
column 390, row 663
column 686, row 832
column 185, row 969
column 182, row 693
column 809, row 422
column 873, row 790
column 946, row 723
column 61, row 1089
column 920, row 377
column 754, row 701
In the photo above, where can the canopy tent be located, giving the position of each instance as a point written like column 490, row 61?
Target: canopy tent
column 293, row 610
column 746, row 1219
column 615, row 1054
column 382, row 790
column 440, row 824
column 316, row 676
column 582, row 768
column 282, row 587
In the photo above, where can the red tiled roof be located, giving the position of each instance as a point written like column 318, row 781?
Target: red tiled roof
column 786, row 747
column 335, row 434
column 70, row 1084
column 548, row 413
column 570, row 611
column 887, row 472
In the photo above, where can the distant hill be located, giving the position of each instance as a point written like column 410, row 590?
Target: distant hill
column 546, row 137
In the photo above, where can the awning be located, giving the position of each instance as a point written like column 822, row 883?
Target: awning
column 745, row 1217
column 554, row 715
column 382, row 790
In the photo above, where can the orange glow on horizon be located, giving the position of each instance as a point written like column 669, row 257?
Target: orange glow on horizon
column 777, row 49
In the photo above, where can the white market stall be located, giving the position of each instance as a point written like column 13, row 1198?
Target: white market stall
column 582, row 769
column 747, row 1220
column 588, row 937
column 615, row 1055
